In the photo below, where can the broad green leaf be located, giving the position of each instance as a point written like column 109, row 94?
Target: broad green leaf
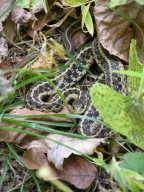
column 23, row 3
column 87, row 19
column 36, row 4
column 115, row 110
column 134, row 65
column 141, row 2
column 29, row 4
column 135, row 70
column 127, row 179
column 84, row 10
column 134, row 161
column 135, row 85
column 75, row 2
column 130, row 73
column 118, row 174
column 114, row 3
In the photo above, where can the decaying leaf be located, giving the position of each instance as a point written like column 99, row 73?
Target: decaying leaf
column 76, row 170
column 3, row 48
column 5, row 8
column 79, row 39
column 5, row 86
column 10, row 30
column 35, row 158
column 22, row 16
column 117, row 27
column 23, row 139
column 56, row 153
column 45, row 62
column 51, row 51
column 48, row 175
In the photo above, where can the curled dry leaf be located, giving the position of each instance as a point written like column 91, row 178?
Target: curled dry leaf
column 51, row 52
column 5, row 6
column 79, row 39
column 10, row 29
column 115, row 32
column 3, row 48
column 76, row 170
column 56, row 153
column 20, row 15
column 45, row 62
column 5, row 86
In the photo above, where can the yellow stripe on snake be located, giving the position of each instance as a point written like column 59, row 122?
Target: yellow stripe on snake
column 43, row 97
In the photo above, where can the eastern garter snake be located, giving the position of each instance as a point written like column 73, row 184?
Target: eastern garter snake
column 39, row 94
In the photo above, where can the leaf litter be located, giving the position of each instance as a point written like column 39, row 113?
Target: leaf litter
column 115, row 33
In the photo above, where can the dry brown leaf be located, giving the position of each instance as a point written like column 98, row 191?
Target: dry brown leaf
column 35, row 158
column 10, row 29
column 22, row 16
column 15, row 137
column 43, row 20
column 56, row 153
column 25, row 111
column 3, row 48
column 23, row 139
column 79, row 39
column 76, row 170
column 4, row 6
column 115, row 32
column 44, row 62
column 5, row 86
column 51, row 52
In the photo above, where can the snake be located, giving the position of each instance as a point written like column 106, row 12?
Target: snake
column 44, row 96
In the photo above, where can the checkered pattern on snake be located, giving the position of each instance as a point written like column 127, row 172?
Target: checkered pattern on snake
column 42, row 96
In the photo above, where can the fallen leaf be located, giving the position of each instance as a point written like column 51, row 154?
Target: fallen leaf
column 3, row 48
column 79, row 38
column 115, row 32
column 5, row 8
column 43, row 20
column 35, row 158
column 5, row 86
column 25, row 111
column 10, row 29
column 51, row 53
column 23, row 139
column 44, row 62
column 56, row 153
column 22, row 16
column 76, row 170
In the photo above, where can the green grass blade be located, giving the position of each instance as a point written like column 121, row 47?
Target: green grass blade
column 42, row 128
column 4, row 172
column 15, row 155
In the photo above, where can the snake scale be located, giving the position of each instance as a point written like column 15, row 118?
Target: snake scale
column 44, row 97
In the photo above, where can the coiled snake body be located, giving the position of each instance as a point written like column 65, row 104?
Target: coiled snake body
column 44, row 97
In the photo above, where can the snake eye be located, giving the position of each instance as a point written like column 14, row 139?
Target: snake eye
column 45, row 98
column 71, row 101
